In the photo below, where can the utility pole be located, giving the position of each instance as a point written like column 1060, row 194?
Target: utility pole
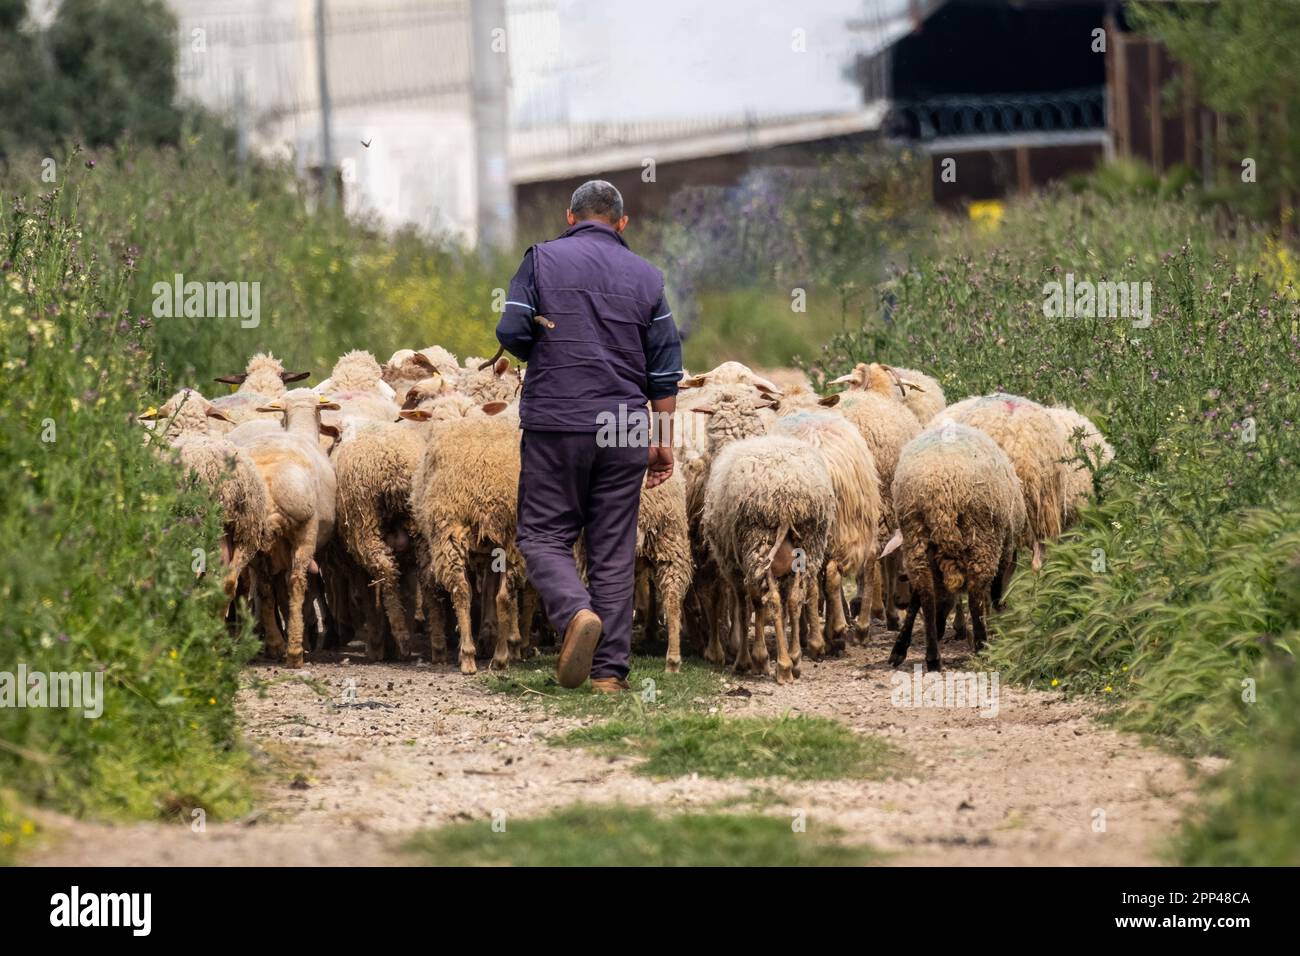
column 322, row 78
column 490, row 72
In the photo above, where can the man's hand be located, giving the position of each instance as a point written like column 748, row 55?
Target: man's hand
column 661, row 465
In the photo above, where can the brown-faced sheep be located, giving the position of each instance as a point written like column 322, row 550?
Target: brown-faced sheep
column 853, row 541
column 406, row 367
column 962, row 512
column 768, row 510
column 499, row 382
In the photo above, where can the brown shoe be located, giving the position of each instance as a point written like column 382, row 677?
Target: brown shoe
column 580, row 640
column 609, row 685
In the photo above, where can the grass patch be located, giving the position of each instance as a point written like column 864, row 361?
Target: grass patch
column 627, row 836
column 794, row 748
column 653, row 691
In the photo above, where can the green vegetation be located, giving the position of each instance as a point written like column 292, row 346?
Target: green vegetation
column 794, row 748
column 102, row 544
column 696, row 686
column 626, row 836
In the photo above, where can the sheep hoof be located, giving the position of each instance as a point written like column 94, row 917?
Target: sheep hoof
column 795, row 669
column 293, row 659
column 784, row 674
column 467, row 666
column 891, row 622
column 933, row 665
column 499, row 664
column 897, row 658
column 815, row 651
column 715, row 657
column 673, row 665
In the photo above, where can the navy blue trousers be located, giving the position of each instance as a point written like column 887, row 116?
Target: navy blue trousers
column 567, row 485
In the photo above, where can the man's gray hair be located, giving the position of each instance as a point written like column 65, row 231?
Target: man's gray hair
column 597, row 198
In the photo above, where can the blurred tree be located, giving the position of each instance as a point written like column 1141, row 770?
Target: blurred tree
column 116, row 65
column 104, row 68
column 1245, row 63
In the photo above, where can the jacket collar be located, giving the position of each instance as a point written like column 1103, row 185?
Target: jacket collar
column 594, row 227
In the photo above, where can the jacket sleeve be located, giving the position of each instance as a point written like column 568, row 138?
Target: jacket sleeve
column 663, row 352
column 516, row 330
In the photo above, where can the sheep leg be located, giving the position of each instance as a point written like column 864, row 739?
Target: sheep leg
column 978, row 599
column 461, row 595
column 772, row 600
column 527, row 612
column 713, row 624
column 297, row 593
column 959, row 629
column 739, row 630
column 641, row 602
column 889, row 568
column 836, row 624
column 274, row 637
column 487, row 622
column 390, row 593
column 904, row 641
column 507, row 609
column 794, row 608
column 877, row 593
column 671, row 598
column 866, row 577
column 436, row 624
column 758, row 652
column 941, row 602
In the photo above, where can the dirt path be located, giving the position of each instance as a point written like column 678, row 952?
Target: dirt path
column 423, row 746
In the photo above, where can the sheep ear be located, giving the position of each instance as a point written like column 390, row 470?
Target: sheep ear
column 495, row 408
column 331, row 431
column 767, row 388
column 414, row 414
column 231, row 379
column 892, row 544
column 704, row 409
column 150, row 414
column 325, row 405
column 695, row 381
column 214, row 412
column 294, row 376
column 502, row 366
column 422, row 360
column 273, row 407
column 829, row 401
column 412, row 398
column 850, row 379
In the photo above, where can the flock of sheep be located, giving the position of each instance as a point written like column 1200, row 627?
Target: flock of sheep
column 384, row 499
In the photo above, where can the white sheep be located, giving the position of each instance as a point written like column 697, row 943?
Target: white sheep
column 189, row 425
column 768, row 508
column 301, row 485
column 1036, row 445
column 962, row 514
column 463, row 499
column 853, row 542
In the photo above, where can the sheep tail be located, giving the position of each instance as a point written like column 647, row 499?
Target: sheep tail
column 780, row 560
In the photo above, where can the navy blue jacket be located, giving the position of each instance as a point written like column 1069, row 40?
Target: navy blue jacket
column 614, row 342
